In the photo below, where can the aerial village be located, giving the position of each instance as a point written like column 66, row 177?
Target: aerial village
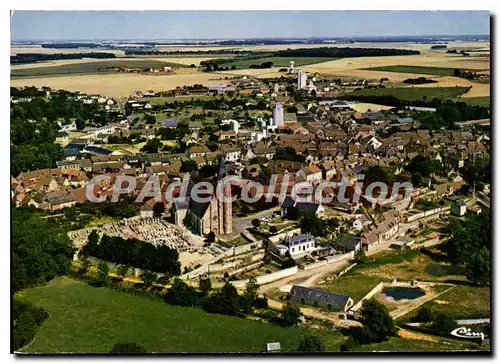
column 293, row 128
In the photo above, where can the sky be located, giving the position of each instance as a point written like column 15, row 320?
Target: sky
column 89, row 25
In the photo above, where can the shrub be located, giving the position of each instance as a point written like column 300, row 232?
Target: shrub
column 290, row 315
column 311, row 343
column 127, row 348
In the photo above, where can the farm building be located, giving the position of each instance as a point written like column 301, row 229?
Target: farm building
column 319, row 298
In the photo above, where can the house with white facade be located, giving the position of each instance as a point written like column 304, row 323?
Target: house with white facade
column 297, row 245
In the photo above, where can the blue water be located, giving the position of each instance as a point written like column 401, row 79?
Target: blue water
column 403, row 293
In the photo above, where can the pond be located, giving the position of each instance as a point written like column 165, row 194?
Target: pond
column 403, row 293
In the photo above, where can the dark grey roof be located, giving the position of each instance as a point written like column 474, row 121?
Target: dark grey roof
column 93, row 149
column 307, row 207
column 373, row 115
column 407, row 120
column 298, row 239
column 287, row 202
column 312, row 294
column 349, row 242
column 171, row 123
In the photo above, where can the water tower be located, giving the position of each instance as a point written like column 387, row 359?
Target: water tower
column 292, row 64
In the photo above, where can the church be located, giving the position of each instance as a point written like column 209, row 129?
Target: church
column 205, row 217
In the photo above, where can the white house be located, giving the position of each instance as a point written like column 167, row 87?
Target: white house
column 361, row 222
column 374, row 143
column 296, row 245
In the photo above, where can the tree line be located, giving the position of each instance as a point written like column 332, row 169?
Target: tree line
column 39, row 57
column 344, row 52
column 133, row 252
column 41, row 250
column 470, row 245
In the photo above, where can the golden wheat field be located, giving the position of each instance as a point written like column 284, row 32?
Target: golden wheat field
column 121, row 84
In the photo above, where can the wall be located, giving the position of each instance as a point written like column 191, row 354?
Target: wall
column 374, row 290
column 277, row 238
column 267, row 278
column 427, row 213
column 247, row 268
column 231, row 251
column 337, row 258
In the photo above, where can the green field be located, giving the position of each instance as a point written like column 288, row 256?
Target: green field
column 411, row 93
column 423, row 70
column 401, row 344
column 88, row 68
column 386, row 266
column 479, row 101
column 280, row 61
column 84, row 319
column 463, row 302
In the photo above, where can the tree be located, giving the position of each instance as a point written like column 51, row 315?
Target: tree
column 127, row 348
column 251, row 289
column 158, row 209
column 273, row 230
column 149, row 119
column 85, row 266
column 479, row 267
column 425, row 166
column 180, row 294
column 311, row 343
column 425, row 314
column 92, row 242
column 163, row 279
column 80, row 124
column 360, row 256
column 290, row 314
column 123, row 270
column 152, row 146
column 103, row 272
column 311, row 223
column 226, row 301
column 290, row 262
column 470, row 245
column 205, row 286
column 211, row 237
column 256, row 223
column 377, row 320
column 443, row 324
column 148, row 278
column 188, row 165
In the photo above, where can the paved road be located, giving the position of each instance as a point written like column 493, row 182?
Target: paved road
column 241, row 224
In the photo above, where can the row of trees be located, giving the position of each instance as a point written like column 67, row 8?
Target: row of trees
column 344, row 52
column 470, row 245
column 225, row 301
column 133, row 252
column 40, row 250
column 26, row 321
column 37, row 57
column 34, row 127
column 447, row 112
